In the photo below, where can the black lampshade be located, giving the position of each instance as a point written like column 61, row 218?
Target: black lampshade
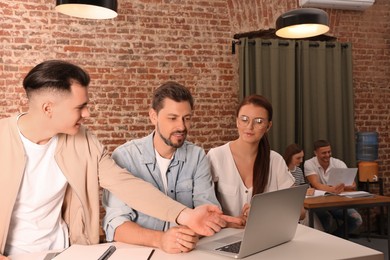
column 302, row 23
column 90, row 9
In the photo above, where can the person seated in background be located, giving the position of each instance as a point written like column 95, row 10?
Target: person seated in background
column 316, row 170
column 293, row 155
column 165, row 159
column 247, row 166
column 52, row 167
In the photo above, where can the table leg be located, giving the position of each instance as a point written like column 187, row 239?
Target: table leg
column 311, row 219
column 388, row 231
column 381, row 221
column 345, row 214
column 368, row 225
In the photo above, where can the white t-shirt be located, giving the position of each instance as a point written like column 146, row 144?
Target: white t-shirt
column 231, row 190
column 163, row 164
column 312, row 166
column 36, row 223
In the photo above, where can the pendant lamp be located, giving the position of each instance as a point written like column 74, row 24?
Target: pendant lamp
column 90, row 9
column 302, row 23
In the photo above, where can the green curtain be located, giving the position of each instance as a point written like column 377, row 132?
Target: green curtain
column 265, row 69
column 310, row 87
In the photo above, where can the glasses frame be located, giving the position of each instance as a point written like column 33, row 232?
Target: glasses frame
column 257, row 122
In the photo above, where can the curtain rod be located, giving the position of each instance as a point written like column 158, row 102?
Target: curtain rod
column 285, row 43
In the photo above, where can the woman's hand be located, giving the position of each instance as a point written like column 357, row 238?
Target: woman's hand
column 244, row 216
column 310, row 192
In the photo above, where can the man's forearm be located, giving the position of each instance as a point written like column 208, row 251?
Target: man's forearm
column 132, row 233
column 137, row 193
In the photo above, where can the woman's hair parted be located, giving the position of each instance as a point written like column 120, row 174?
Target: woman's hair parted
column 290, row 151
column 262, row 161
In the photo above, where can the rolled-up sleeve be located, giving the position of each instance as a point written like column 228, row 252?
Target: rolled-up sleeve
column 117, row 212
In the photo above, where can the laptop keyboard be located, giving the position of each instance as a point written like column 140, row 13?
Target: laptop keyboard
column 232, row 248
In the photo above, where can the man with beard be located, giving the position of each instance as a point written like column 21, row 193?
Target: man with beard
column 165, row 159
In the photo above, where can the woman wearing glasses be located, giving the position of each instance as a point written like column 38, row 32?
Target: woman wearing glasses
column 246, row 166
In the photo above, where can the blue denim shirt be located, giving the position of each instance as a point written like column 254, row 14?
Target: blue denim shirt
column 188, row 177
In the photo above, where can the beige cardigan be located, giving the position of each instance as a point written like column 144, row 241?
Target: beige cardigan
column 85, row 164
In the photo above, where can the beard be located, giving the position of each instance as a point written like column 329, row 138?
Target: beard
column 168, row 140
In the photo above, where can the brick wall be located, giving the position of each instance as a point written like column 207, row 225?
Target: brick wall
column 189, row 41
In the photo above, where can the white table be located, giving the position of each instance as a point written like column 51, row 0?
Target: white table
column 307, row 244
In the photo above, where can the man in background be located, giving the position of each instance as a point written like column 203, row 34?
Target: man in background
column 165, row 159
column 316, row 171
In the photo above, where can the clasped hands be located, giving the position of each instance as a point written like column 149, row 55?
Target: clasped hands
column 178, row 239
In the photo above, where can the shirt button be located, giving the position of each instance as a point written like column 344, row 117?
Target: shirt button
column 246, row 191
column 171, row 191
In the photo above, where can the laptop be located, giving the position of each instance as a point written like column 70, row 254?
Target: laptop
column 272, row 220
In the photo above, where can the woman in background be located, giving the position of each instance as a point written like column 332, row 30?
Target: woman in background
column 246, row 166
column 293, row 155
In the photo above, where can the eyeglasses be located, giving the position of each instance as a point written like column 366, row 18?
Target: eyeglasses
column 258, row 123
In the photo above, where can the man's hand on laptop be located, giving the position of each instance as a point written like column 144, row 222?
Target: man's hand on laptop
column 205, row 220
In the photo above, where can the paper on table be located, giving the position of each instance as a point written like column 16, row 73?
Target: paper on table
column 356, row 194
column 93, row 252
column 341, row 175
column 348, row 194
column 83, row 252
column 319, row 193
column 133, row 253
